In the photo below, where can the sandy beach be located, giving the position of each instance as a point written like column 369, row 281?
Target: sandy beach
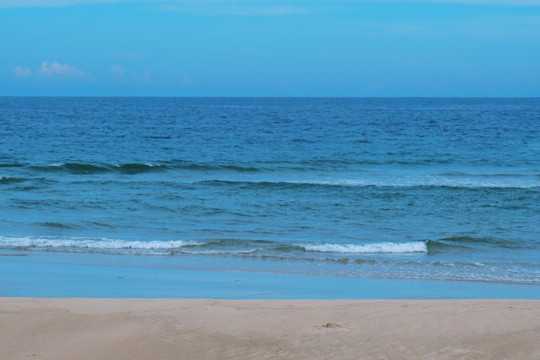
column 268, row 329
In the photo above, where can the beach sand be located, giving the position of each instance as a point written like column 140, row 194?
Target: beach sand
column 37, row 328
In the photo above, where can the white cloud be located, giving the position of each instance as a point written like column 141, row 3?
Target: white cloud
column 55, row 68
column 117, row 70
column 21, row 72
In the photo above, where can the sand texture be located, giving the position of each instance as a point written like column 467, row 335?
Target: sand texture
column 32, row 328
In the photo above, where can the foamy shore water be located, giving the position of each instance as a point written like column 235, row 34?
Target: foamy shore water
column 43, row 274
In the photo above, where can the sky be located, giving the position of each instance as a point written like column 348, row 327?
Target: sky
column 479, row 48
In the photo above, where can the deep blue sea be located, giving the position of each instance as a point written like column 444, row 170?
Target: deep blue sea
column 444, row 189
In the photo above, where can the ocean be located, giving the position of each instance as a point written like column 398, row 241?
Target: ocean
column 383, row 188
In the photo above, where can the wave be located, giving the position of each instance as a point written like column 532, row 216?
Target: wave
column 469, row 242
column 223, row 246
column 117, row 246
column 347, row 163
column 367, row 184
column 487, row 175
column 6, row 180
column 85, row 244
column 186, row 165
column 90, row 169
column 301, row 173
column 74, row 168
column 455, row 243
column 56, row 225
column 384, row 247
column 244, row 246
column 138, row 168
column 216, row 252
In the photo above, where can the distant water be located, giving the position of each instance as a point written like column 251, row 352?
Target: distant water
column 445, row 189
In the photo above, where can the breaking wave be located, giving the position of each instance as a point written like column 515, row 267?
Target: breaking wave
column 81, row 244
column 385, row 247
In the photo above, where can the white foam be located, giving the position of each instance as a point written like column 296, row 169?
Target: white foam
column 386, row 247
column 47, row 242
column 219, row 252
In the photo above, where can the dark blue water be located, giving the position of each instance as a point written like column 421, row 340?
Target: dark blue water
column 444, row 189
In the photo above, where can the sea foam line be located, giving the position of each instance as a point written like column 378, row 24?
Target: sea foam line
column 91, row 243
column 386, row 247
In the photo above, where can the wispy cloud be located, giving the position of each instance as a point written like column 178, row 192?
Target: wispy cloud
column 238, row 8
column 57, row 69
column 117, row 70
column 21, row 72
column 147, row 77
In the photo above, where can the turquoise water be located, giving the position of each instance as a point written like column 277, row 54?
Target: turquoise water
column 40, row 274
column 410, row 189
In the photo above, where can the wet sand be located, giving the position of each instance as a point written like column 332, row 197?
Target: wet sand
column 39, row 328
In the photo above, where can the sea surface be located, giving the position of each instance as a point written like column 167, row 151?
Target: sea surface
column 429, row 189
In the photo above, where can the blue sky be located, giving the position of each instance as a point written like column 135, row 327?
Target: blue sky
column 270, row 48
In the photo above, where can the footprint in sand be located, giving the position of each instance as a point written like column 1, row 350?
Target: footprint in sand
column 332, row 325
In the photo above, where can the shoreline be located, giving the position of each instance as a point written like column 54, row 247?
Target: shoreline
column 78, row 328
column 71, row 275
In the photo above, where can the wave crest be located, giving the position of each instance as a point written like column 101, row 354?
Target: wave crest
column 85, row 244
column 385, row 247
